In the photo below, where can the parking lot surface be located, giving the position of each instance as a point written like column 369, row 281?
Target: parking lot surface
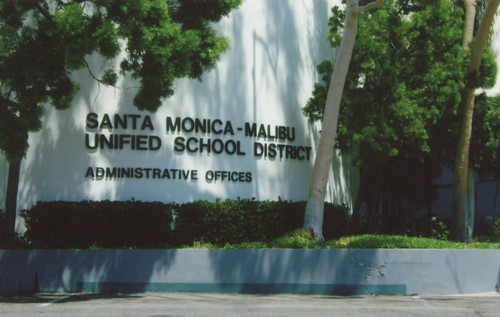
column 200, row 304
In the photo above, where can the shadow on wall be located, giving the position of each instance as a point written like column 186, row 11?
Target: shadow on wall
column 358, row 271
column 55, row 166
column 339, row 272
column 262, row 81
column 52, row 167
column 266, row 77
column 72, row 271
column 335, row 272
column 298, row 271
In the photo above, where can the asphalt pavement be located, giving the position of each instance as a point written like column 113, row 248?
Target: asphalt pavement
column 201, row 304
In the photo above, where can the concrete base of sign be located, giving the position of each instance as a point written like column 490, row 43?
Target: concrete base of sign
column 339, row 272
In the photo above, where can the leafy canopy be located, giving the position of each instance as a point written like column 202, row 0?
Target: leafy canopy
column 485, row 146
column 404, row 83
column 403, row 89
column 42, row 41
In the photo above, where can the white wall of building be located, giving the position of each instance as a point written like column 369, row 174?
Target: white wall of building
column 266, row 78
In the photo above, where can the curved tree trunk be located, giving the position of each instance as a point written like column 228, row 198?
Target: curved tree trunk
column 460, row 204
column 470, row 16
column 315, row 205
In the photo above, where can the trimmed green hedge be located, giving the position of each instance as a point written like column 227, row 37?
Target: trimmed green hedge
column 236, row 221
column 107, row 224
column 115, row 224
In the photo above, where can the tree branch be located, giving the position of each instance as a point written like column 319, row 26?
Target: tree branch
column 369, row 6
column 90, row 72
column 99, row 81
column 44, row 12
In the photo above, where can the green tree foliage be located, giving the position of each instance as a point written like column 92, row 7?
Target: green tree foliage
column 42, row 41
column 463, row 178
column 399, row 109
column 485, row 145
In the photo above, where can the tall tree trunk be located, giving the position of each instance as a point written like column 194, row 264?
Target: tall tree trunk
column 470, row 17
column 315, row 205
column 11, row 199
column 460, row 205
column 469, row 230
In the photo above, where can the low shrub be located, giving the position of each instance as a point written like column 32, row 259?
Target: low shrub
column 203, row 224
column 236, row 221
column 369, row 224
column 440, row 229
column 298, row 239
column 336, row 221
column 247, row 220
column 248, row 245
column 482, row 227
column 496, row 228
column 229, row 224
column 188, row 222
column 105, row 224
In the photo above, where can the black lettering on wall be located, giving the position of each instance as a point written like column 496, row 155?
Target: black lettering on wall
column 119, row 122
column 134, row 120
column 173, row 126
column 90, row 172
column 92, row 122
column 179, row 144
column 87, row 142
column 187, row 125
column 106, row 122
column 250, row 130
column 217, row 130
column 99, row 172
column 147, row 123
column 111, row 172
column 228, row 128
column 154, row 143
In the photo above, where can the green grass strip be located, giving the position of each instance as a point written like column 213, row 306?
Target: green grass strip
column 301, row 239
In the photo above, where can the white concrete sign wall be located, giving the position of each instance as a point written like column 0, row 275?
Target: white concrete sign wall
column 238, row 133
